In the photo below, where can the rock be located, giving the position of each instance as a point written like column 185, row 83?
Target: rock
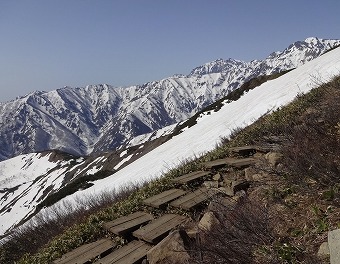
column 248, row 173
column 227, row 182
column 257, row 177
column 323, row 250
column 210, row 184
column 273, row 158
column 222, row 203
column 258, row 155
column 170, row 250
column 334, row 246
column 232, row 186
column 207, row 221
column 240, row 185
column 226, row 190
column 192, row 232
column 217, row 177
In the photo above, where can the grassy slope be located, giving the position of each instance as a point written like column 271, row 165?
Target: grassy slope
column 302, row 195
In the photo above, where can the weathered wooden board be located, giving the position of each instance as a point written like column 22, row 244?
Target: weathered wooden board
column 216, row 164
column 155, row 230
column 86, row 253
column 164, row 197
column 240, row 163
column 131, row 253
column 245, row 150
column 190, row 177
column 127, row 223
column 194, row 198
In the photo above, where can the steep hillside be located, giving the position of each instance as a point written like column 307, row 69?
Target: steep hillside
column 292, row 199
column 32, row 181
column 98, row 118
column 210, row 127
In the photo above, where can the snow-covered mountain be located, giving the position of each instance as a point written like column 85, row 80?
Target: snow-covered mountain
column 97, row 118
column 27, row 179
column 31, row 181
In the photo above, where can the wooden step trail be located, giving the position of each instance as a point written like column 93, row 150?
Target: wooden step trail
column 241, row 163
column 215, row 164
column 154, row 230
column 127, row 223
column 237, row 163
column 131, row 253
column 159, row 228
column 190, row 177
column 163, row 198
column 194, row 198
column 245, row 150
column 87, row 253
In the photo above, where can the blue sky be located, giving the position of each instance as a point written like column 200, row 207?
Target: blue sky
column 48, row 44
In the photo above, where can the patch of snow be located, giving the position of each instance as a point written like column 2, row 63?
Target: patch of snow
column 94, row 170
column 122, row 162
column 23, row 168
column 123, row 153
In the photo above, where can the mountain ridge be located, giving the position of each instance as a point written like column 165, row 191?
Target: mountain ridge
column 205, row 134
column 98, row 118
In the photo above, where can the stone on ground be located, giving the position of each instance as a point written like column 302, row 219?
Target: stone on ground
column 334, row 246
column 170, row 250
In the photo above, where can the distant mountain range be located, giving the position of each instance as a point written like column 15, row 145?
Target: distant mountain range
column 97, row 118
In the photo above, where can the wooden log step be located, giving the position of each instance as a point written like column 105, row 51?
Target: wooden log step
column 190, row 177
column 127, row 223
column 164, row 197
column 240, row 163
column 194, row 198
column 245, row 150
column 131, row 253
column 216, row 164
column 86, row 253
column 159, row 228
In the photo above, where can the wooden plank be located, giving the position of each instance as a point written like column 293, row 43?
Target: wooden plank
column 194, row 198
column 128, row 223
column 216, row 164
column 245, row 150
column 86, row 253
column 240, row 163
column 190, row 177
column 155, row 230
column 131, row 253
column 164, row 197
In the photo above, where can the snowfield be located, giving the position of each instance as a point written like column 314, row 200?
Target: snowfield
column 21, row 175
column 204, row 136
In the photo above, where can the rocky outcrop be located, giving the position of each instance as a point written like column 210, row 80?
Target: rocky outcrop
column 170, row 250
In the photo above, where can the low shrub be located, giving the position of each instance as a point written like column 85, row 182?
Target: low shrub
column 241, row 230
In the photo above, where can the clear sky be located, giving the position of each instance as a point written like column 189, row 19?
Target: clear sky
column 48, row 44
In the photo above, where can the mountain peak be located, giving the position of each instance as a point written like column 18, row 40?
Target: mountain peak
column 312, row 40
